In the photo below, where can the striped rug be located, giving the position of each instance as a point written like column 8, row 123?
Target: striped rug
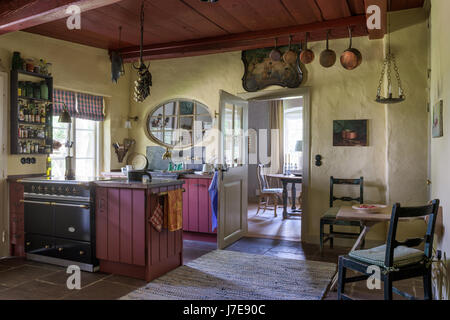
column 230, row 275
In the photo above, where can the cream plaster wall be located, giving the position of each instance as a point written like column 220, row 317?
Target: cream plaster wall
column 397, row 148
column 78, row 68
column 406, row 128
column 440, row 147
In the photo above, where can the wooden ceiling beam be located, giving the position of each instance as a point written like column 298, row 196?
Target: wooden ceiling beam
column 234, row 42
column 382, row 4
column 21, row 14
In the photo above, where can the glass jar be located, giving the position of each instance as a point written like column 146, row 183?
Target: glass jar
column 30, row 65
column 44, row 90
column 37, row 90
column 20, row 87
column 29, row 89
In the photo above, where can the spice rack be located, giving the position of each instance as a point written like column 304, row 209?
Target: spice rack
column 31, row 115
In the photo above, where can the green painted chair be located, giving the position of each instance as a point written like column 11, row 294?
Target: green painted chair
column 396, row 260
column 329, row 217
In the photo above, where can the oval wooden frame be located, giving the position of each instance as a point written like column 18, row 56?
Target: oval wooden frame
column 162, row 143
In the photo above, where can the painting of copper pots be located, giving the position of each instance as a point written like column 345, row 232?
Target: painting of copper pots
column 350, row 133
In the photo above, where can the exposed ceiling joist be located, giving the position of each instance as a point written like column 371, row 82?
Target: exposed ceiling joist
column 382, row 4
column 247, row 40
column 17, row 15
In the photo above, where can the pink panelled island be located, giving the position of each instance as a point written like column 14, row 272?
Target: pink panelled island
column 126, row 242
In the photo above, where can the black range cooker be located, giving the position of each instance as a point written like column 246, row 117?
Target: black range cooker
column 60, row 221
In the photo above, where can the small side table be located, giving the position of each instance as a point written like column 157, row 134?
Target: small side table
column 285, row 180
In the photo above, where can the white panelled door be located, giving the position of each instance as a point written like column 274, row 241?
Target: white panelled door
column 233, row 178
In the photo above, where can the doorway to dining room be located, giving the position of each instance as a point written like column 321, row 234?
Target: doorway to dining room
column 279, row 146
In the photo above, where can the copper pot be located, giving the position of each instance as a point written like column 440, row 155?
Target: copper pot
column 351, row 58
column 349, row 134
column 290, row 57
column 275, row 54
column 306, row 55
column 327, row 57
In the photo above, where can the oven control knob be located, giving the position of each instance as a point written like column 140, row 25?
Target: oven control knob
column 33, row 188
column 67, row 189
column 46, row 189
column 53, row 189
column 60, row 189
column 39, row 188
column 74, row 190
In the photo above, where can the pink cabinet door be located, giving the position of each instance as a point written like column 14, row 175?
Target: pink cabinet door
column 193, row 205
column 204, row 214
column 197, row 206
column 186, row 205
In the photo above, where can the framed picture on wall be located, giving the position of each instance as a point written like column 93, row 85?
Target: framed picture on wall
column 438, row 121
column 350, row 133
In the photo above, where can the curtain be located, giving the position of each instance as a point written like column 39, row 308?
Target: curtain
column 90, row 107
column 63, row 96
column 276, row 138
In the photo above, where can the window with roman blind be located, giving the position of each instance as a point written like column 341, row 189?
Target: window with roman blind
column 87, row 111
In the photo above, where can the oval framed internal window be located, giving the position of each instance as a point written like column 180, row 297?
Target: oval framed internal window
column 179, row 123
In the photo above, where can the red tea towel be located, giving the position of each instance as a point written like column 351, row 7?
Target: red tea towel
column 157, row 218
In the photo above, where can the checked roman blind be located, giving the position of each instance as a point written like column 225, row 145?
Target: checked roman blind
column 90, row 107
column 80, row 105
column 63, row 96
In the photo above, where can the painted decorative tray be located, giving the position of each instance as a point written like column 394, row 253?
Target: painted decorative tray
column 370, row 208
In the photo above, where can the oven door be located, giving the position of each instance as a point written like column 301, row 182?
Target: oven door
column 72, row 221
column 38, row 217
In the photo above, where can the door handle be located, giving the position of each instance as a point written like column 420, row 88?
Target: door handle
column 36, row 202
column 56, row 204
column 428, row 182
column 70, row 205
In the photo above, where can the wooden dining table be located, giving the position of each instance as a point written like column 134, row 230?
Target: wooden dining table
column 368, row 220
column 285, row 180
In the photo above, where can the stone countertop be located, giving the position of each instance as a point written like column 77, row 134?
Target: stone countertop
column 14, row 178
column 124, row 183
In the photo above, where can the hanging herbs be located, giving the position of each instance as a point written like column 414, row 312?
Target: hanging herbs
column 144, row 82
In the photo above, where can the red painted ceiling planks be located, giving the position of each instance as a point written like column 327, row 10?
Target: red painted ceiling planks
column 180, row 20
column 357, row 6
column 216, row 13
column 334, row 9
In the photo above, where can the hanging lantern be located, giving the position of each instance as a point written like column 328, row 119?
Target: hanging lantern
column 144, row 82
column 388, row 64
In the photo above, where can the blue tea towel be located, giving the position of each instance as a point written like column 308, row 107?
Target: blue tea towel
column 214, row 195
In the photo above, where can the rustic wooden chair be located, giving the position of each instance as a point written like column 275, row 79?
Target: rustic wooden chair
column 397, row 260
column 265, row 193
column 329, row 217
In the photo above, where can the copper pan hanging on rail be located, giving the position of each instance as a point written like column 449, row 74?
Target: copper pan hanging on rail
column 306, row 55
column 328, row 56
column 351, row 58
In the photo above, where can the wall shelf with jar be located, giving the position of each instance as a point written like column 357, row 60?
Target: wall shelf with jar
column 31, row 113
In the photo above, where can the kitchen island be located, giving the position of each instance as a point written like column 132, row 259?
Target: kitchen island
column 126, row 242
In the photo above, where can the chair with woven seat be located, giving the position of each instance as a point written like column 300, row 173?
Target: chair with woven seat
column 329, row 217
column 397, row 260
column 266, row 193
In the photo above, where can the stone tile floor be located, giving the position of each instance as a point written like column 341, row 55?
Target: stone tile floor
column 22, row 279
